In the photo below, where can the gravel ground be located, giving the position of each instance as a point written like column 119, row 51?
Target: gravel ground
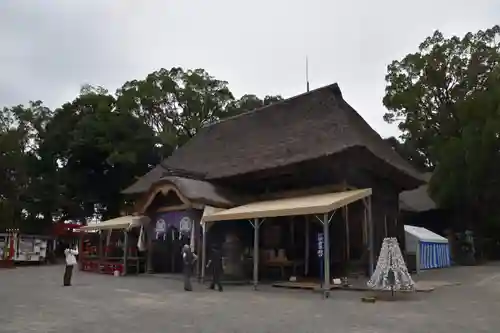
column 33, row 300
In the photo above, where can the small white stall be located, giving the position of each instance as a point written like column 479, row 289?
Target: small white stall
column 27, row 248
column 430, row 249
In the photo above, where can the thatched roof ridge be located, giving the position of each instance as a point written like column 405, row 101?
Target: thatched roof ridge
column 305, row 127
column 203, row 192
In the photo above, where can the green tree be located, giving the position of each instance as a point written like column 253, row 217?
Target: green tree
column 99, row 149
column 21, row 130
column 176, row 103
column 446, row 100
column 250, row 102
column 72, row 163
column 466, row 177
column 412, row 155
column 424, row 87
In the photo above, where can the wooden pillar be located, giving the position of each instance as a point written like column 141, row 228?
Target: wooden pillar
column 371, row 235
column 198, row 245
column 386, row 232
column 345, row 211
column 347, row 234
column 203, row 250
column 256, row 223
column 125, row 251
column 306, row 259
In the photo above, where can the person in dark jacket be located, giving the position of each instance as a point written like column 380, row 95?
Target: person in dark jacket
column 215, row 264
column 188, row 258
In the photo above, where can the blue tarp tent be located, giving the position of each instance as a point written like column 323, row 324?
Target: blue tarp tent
column 430, row 249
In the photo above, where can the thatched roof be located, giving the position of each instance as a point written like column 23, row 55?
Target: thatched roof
column 302, row 128
column 417, row 200
column 204, row 192
column 197, row 191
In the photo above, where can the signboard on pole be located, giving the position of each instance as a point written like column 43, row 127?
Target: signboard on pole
column 321, row 240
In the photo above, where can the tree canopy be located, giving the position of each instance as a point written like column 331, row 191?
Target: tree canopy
column 445, row 98
column 72, row 162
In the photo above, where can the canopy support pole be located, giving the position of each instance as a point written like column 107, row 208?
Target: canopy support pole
column 306, row 259
column 347, row 234
column 80, row 249
column 256, row 226
column 256, row 254
column 108, row 240
column 326, row 255
column 326, row 251
column 203, row 250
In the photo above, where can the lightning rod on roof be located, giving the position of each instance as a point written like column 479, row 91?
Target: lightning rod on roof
column 307, row 73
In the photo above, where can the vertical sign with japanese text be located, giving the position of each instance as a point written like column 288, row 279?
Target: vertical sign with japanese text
column 320, row 244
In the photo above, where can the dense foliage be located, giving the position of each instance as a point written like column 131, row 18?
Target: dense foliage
column 72, row 162
column 446, row 99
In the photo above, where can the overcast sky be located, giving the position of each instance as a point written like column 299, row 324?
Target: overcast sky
column 49, row 48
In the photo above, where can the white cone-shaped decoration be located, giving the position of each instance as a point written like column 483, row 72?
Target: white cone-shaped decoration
column 391, row 273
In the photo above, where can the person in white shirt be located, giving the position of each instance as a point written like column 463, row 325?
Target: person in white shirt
column 70, row 262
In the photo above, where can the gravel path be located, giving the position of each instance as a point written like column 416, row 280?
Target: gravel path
column 32, row 300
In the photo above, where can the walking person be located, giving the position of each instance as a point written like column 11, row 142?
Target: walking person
column 215, row 264
column 70, row 262
column 188, row 258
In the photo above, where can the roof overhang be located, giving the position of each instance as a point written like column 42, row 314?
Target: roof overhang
column 123, row 222
column 417, row 200
column 304, row 205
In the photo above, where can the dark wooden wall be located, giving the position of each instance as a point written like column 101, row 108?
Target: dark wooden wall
column 350, row 168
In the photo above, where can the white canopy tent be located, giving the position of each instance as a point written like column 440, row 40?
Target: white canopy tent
column 122, row 222
column 430, row 249
column 322, row 206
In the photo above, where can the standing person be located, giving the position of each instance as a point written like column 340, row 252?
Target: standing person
column 215, row 263
column 188, row 258
column 70, row 262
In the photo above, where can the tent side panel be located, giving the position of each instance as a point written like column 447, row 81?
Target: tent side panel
column 434, row 255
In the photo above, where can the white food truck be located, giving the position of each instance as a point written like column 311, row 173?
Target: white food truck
column 27, row 248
